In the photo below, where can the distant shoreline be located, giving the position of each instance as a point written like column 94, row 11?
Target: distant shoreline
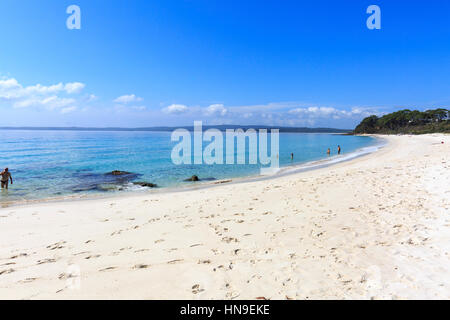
column 189, row 128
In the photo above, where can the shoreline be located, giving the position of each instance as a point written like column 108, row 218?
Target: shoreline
column 282, row 171
column 375, row 227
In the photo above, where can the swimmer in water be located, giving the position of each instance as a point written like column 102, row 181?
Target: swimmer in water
column 5, row 177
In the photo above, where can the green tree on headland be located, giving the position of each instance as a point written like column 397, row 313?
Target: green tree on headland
column 407, row 121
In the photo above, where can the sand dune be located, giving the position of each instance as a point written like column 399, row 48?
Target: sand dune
column 376, row 227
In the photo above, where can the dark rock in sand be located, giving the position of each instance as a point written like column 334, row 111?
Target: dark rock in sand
column 146, row 184
column 193, row 178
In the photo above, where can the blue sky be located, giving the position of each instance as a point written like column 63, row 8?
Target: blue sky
column 288, row 63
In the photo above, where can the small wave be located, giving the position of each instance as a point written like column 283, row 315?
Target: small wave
column 131, row 187
column 269, row 171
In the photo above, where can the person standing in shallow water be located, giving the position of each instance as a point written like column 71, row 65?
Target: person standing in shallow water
column 328, row 151
column 5, row 177
column 339, row 149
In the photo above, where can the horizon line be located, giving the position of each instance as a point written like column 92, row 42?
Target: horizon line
column 169, row 128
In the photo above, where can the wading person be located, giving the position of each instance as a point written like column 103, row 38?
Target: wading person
column 328, row 151
column 6, row 176
column 339, row 149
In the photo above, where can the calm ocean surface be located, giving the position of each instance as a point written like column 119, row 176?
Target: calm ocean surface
column 48, row 164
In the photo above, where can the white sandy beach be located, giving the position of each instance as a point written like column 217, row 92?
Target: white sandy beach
column 374, row 227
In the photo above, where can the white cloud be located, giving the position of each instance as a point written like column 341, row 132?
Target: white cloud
column 282, row 114
column 9, row 83
column 57, row 102
column 324, row 112
column 216, row 109
column 128, row 98
column 291, row 114
column 50, row 97
column 175, row 109
column 43, row 90
column 11, row 89
column 68, row 110
column 51, row 102
column 26, row 103
column 63, row 98
column 74, row 87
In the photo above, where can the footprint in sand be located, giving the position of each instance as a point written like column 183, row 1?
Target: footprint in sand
column 80, row 253
column 65, row 276
column 196, row 289
column 46, row 261
column 229, row 239
column 175, row 261
column 204, row 262
column 107, row 269
column 6, row 271
column 57, row 245
column 18, row 256
column 93, row 256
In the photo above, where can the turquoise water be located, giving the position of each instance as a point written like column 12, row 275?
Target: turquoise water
column 47, row 164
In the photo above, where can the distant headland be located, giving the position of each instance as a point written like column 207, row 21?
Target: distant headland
column 407, row 122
